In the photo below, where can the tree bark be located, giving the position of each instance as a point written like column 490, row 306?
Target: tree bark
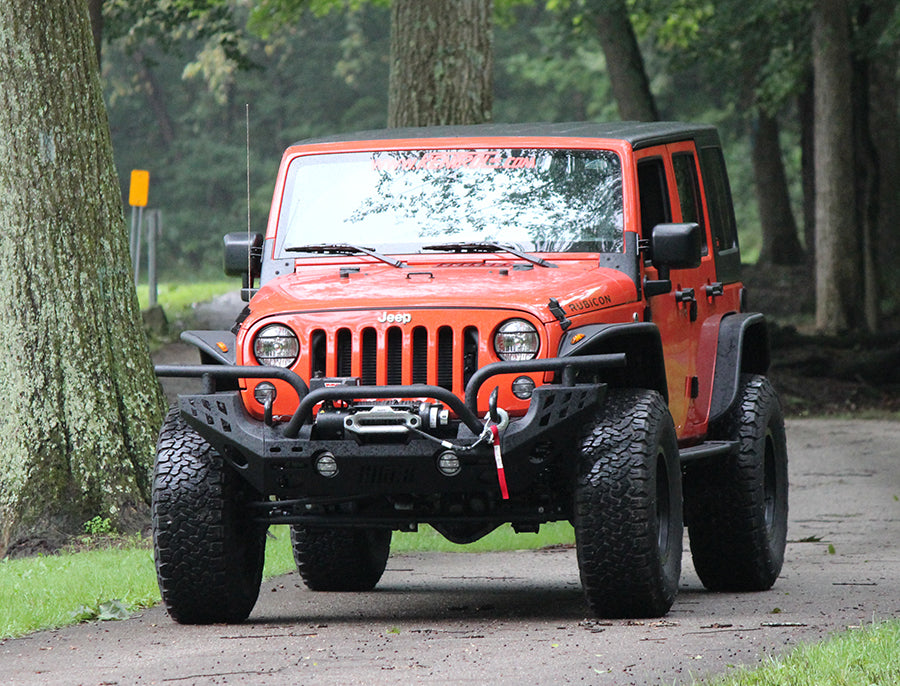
column 624, row 63
column 806, row 115
column 780, row 244
column 81, row 404
column 839, row 305
column 884, row 105
column 441, row 62
column 95, row 9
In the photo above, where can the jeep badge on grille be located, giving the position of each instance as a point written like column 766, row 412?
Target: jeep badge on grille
column 395, row 317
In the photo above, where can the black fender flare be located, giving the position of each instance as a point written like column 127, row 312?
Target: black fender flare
column 640, row 341
column 216, row 347
column 742, row 348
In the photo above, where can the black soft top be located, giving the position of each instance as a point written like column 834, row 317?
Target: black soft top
column 638, row 134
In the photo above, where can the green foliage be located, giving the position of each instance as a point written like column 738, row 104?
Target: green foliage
column 98, row 526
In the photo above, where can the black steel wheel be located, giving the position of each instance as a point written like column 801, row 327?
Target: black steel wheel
column 209, row 553
column 737, row 507
column 628, row 522
column 335, row 559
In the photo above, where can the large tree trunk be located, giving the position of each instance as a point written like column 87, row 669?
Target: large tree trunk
column 81, row 406
column 780, row 244
column 624, row 63
column 839, row 286
column 441, row 62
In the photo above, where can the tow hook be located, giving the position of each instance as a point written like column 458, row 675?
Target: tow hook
column 496, row 420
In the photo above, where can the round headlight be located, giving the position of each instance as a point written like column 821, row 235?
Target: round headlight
column 276, row 345
column 516, row 339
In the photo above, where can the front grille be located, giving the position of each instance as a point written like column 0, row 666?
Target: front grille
column 445, row 357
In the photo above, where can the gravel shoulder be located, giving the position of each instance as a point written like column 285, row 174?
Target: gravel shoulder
column 519, row 617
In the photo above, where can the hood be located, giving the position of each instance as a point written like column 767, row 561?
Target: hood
column 579, row 286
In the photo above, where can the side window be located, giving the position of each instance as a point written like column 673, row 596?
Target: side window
column 654, row 194
column 718, row 197
column 689, row 191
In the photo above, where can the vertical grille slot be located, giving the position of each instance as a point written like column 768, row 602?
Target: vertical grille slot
column 318, row 347
column 369, row 357
column 394, row 356
column 445, row 357
column 420, row 355
column 344, row 352
column 470, row 353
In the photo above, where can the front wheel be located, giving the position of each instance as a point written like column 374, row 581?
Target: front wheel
column 737, row 506
column 209, row 553
column 628, row 522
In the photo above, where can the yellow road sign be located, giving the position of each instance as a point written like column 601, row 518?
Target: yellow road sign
column 139, row 188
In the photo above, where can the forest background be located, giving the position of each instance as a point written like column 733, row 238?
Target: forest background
column 179, row 75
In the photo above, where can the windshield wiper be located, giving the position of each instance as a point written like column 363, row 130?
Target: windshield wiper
column 344, row 249
column 489, row 246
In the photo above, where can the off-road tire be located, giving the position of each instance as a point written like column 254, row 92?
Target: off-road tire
column 736, row 507
column 209, row 553
column 350, row 559
column 628, row 521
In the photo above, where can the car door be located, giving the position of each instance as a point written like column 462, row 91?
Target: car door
column 669, row 191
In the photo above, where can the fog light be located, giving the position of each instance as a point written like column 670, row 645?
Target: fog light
column 523, row 387
column 265, row 393
column 326, row 465
column 448, row 464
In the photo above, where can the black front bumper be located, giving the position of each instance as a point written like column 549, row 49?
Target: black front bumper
column 279, row 459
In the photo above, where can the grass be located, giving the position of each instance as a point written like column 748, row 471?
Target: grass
column 177, row 298
column 857, row 657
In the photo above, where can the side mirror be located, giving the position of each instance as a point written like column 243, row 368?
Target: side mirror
column 673, row 246
column 677, row 246
column 243, row 251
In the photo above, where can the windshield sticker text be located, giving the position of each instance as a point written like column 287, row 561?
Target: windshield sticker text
column 455, row 159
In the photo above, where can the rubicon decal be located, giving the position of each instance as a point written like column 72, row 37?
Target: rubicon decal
column 589, row 303
column 395, row 318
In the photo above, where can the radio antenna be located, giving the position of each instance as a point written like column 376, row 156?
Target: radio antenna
column 249, row 261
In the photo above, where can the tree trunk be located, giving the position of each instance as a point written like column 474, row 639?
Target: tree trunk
column 806, row 114
column 624, row 63
column 839, row 287
column 884, row 104
column 780, row 244
column 81, row 406
column 156, row 98
column 441, row 62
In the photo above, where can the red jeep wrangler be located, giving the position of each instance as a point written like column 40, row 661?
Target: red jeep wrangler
column 469, row 326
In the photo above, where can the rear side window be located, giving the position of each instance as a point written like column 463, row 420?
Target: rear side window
column 689, row 191
column 718, row 197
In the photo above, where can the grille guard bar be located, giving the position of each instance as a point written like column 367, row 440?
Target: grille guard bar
column 466, row 411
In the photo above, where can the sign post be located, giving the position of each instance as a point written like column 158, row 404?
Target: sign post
column 138, row 192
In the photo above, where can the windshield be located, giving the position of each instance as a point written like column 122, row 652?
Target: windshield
column 404, row 201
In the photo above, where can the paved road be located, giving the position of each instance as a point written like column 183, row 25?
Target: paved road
column 519, row 618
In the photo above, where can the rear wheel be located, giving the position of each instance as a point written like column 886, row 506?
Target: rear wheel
column 209, row 553
column 628, row 523
column 737, row 506
column 340, row 559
